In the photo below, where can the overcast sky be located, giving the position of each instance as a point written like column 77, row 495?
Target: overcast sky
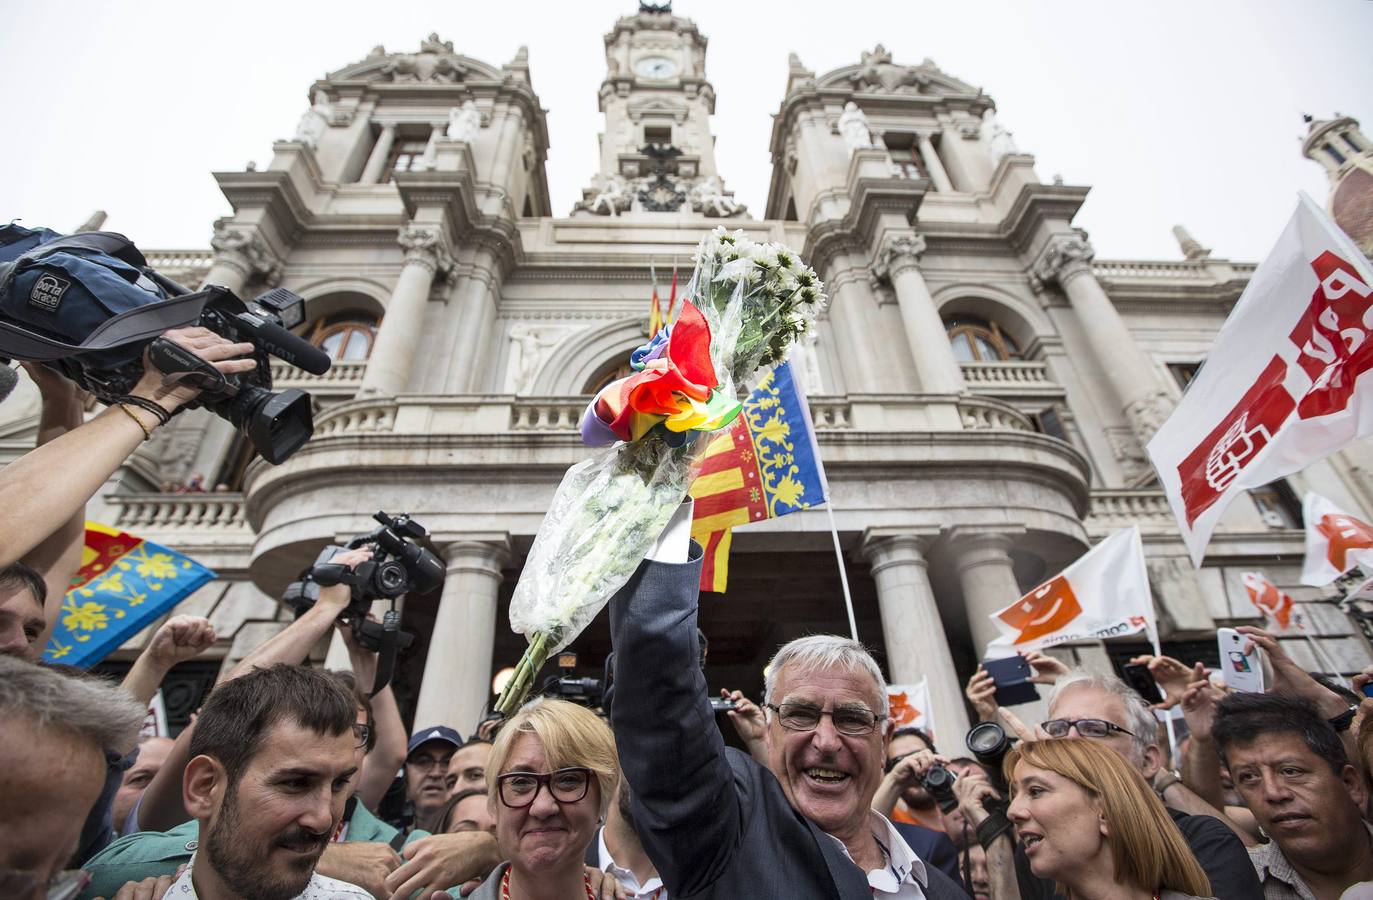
column 1173, row 112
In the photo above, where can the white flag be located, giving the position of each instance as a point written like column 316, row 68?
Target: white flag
column 1283, row 385
column 910, row 706
column 1270, row 599
column 1104, row 594
column 1335, row 542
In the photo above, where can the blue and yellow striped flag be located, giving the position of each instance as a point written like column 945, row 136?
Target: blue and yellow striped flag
column 124, row 584
column 766, row 465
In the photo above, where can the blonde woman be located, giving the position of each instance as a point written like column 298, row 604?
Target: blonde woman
column 1086, row 818
column 549, row 779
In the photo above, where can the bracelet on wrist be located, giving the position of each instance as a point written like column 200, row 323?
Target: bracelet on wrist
column 991, row 828
column 157, row 409
column 147, row 433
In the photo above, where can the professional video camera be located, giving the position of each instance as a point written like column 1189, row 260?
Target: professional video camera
column 398, row 565
column 588, row 692
column 88, row 304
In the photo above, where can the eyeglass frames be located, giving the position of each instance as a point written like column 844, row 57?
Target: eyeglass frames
column 1092, row 728
column 852, row 721
column 518, row 789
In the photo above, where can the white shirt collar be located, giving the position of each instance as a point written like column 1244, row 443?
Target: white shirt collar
column 319, row 887
column 901, row 865
column 625, row 877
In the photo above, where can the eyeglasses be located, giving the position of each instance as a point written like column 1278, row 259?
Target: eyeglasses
column 1091, row 728
column 426, row 762
column 518, row 789
column 849, row 720
column 362, row 733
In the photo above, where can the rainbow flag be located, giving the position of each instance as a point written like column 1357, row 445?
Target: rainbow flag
column 124, row 584
column 766, row 465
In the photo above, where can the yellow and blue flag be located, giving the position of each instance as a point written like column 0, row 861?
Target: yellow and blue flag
column 124, row 584
column 766, row 465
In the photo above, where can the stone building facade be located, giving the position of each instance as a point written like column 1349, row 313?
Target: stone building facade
column 982, row 385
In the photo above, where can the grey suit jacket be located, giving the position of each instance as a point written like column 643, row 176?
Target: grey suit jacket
column 714, row 822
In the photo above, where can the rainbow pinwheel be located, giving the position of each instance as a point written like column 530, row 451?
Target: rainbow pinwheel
column 673, row 390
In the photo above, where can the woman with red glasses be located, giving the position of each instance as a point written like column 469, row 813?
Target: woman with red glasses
column 550, row 777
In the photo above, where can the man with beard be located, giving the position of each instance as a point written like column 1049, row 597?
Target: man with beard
column 271, row 759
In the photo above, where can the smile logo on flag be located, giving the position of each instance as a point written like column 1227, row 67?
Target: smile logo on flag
column 1344, row 533
column 902, row 712
column 1050, row 607
column 1265, row 595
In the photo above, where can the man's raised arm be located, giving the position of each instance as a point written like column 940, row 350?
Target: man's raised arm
column 686, row 803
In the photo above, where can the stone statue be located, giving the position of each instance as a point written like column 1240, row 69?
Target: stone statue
column 464, row 121
column 708, row 196
column 1002, row 143
column 1191, row 247
column 853, row 128
column 316, row 119
column 526, row 352
column 609, row 195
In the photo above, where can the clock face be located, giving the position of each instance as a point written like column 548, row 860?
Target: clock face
column 658, row 67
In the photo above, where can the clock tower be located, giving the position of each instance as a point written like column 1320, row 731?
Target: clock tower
column 657, row 151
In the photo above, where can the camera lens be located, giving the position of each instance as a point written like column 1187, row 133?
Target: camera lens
column 391, row 579
column 986, row 738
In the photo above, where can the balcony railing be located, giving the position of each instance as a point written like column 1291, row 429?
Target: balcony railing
column 546, row 413
column 981, row 375
column 981, row 413
column 342, row 379
column 184, row 514
column 1120, row 509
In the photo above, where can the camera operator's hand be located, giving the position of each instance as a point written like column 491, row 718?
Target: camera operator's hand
column 211, row 347
column 1199, row 704
column 981, row 693
column 362, row 660
column 64, row 403
column 971, row 794
column 911, row 770
column 336, row 597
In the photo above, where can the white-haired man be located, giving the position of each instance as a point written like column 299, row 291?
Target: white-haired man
column 715, row 822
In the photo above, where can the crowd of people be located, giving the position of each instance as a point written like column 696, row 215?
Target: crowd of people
column 294, row 781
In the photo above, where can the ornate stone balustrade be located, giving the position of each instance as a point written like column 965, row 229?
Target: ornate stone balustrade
column 1113, row 509
column 179, row 514
column 499, row 414
column 546, row 413
column 341, row 380
column 981, row 413
column 981, row 375
column 1170, row 270
column 180, row 259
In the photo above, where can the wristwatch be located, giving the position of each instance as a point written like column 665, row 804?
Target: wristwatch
column 1164, row 780
column 1344, row 719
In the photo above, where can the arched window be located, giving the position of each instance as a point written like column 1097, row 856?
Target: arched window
column 345, row 335
column 608, row 373
column 974, row 340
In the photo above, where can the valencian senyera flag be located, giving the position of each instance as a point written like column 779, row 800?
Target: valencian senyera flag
column 766, row 465
column 124, row 584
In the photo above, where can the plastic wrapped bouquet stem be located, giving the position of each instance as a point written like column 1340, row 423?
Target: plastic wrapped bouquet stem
column 746, row 303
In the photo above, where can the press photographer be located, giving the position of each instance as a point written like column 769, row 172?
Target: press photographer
column 89, row 306
column 395, row 564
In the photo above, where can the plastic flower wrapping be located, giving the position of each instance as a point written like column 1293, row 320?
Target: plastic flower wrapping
column 746, row 304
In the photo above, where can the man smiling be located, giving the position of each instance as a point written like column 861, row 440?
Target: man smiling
column 715, row 822
column 1292, row 771
column 272, row 756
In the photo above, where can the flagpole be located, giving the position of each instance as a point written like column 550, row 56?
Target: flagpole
column 1158, row 651
column 1321, row 658
column 843, row 573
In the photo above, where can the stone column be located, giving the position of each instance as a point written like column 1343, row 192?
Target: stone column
column 376, row 161
column 917, row 647
column 988, row 579
column 935, row 366
column 388, row 368
column 240, row 254
column 933, row 163
column 1067, row 259
column 457, row 673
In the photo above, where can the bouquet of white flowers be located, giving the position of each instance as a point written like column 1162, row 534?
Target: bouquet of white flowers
column 744, row 307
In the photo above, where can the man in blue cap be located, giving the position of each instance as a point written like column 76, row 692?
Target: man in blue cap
column 426, row 772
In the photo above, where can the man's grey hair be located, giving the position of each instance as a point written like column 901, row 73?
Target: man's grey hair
column 86, row 707
column 1139, row 717
column 825, row 651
